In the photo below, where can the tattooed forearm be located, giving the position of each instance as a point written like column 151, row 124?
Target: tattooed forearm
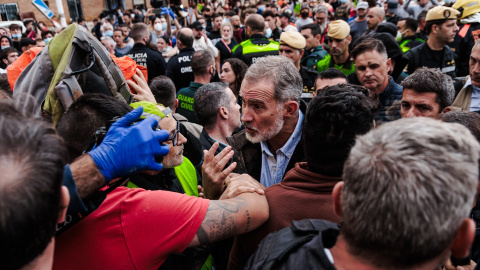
column 220, row 221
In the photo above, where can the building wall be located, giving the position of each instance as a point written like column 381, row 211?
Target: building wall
column 27, row 6
column 91, row 8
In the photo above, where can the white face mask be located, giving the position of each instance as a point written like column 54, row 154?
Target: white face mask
column 158, row 27
column 269, row 32
column 400, row 35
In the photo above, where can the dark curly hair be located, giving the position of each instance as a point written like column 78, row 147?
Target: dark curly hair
column 334, row 118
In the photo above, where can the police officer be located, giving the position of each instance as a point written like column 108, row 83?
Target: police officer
column 407, row 31
column 468, row 33
column 257, row 46
column 339, row 39
column 441, row 27
column 179, row 67
column 144, row 56
column 292, row 45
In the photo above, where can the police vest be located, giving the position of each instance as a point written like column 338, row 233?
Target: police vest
column 346, row 68
column 255, row 48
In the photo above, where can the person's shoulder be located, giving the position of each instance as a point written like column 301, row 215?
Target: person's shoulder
column 183, row 91
column 310, row 71
column 238, row 140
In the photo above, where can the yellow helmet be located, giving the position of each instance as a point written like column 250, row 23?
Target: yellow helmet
column 467, row 7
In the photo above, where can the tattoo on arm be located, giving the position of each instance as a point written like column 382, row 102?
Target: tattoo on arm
column 221, row 220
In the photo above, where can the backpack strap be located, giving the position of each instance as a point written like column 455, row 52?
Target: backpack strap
column 92, row 203
column 120, row 84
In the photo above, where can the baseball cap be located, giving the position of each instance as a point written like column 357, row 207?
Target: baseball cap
column 392, row 6
column 362, row 5
column 196, row 25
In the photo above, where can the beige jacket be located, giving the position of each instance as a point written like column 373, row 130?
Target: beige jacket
column 462, row 101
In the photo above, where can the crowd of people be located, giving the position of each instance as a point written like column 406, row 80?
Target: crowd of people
column 244, row 135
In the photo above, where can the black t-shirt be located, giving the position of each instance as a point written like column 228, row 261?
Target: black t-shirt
column 214, row 34
column 438, row 55
column 225, row 52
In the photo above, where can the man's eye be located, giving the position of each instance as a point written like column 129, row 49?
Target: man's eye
column 361, row 68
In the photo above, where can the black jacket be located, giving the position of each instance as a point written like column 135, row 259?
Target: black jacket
column 179, row 68
column 423, row 56
column 462, row 46
column 152, row 60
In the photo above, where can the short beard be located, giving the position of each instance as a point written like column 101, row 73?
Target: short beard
column 323, row 26
column 171, row 161
column 269, row 132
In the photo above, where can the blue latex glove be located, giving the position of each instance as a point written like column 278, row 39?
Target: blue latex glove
column 164, row 11
column 172, row 14
column 128, row 149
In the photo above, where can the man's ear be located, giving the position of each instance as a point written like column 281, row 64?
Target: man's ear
column 64, row 201
column 337, row 198
column 445, row 110
column 318, row 37
column 463, row 239
column 389, row 64
column 176, row 103
column 292, row 108
column 5, row 61
column 223, row 112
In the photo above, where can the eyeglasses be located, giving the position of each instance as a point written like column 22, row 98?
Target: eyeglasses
column 174, row 137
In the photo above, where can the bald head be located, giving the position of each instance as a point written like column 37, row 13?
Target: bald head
column 256, row 23
column 185, row 36
column 380, row 12
column 235, row 20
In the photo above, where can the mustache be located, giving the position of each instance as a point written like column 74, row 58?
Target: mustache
column 247, row 125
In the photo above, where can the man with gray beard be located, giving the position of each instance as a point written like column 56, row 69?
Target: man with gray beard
column 272, row 113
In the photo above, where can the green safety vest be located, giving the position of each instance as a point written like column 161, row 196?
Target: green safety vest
column 404, row 47
column 186, row 174
column 324, row 64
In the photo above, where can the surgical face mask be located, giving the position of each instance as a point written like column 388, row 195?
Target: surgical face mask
column 400, row 35
column 225, row 20
column 4, row 47
column 164, row 26
column 132, row 16
column 343, row 1
column 108, row 33
column 304, row 14
column 269, row 33
column 158, row 27
column 16, row 35
column 164, row 49
column 47, row 40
